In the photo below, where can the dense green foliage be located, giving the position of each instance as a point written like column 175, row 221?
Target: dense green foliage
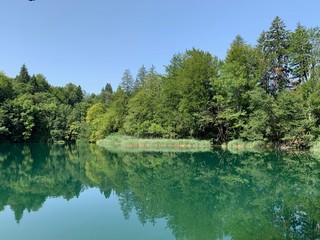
column 32, row 110
column 268, row 92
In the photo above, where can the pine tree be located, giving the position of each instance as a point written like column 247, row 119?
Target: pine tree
column 142, row 73
column 264, row 62
column 106, row 94
column 274, row 45
column 300, row 54
column 127, row 82
column 23, row 76
column 108, row 88
column 314, row 34
column 152, row 70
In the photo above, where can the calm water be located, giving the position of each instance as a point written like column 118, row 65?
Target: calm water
column 86, row 192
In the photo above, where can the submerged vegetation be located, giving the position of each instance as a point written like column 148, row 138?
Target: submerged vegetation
column 267, row 94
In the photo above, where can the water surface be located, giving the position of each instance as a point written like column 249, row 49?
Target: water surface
column 87, row 192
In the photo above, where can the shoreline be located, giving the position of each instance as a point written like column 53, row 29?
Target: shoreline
column 130, row 143
column 154, row 144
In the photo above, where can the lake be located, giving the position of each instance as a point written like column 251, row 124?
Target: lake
column 88, row 192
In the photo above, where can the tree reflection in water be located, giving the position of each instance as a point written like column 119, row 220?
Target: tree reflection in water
column 202, row 195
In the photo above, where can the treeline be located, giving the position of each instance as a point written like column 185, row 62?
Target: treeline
column 33, row 110
column 268, row 92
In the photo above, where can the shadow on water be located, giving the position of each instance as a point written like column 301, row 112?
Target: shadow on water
column 202, row 195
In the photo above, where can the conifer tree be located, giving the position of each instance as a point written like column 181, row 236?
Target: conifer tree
column 314, row 34
column 300, row 54
column 23, row 76
column 127, row 82
column 106, row 94
column 142, row 73
column 274, row 45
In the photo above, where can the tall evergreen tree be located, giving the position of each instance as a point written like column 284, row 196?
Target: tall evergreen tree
column 264, row 62
column 300, row 54
column 314, row 34
column 127, row 82
column 274, row 45
column 142, row 73
column 23, row 76
column 108, row 88
column 106, row 94
column 152, row 70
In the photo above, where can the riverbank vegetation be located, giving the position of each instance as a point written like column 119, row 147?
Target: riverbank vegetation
column 154, row 144
column 242, row 145
column 267, row 93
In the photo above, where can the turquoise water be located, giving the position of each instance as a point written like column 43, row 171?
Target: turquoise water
column 91, row 216
column 87, row 192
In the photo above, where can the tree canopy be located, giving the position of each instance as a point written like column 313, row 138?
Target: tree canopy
column 265, row 92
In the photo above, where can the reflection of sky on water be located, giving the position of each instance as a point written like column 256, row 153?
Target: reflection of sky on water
column 91, row 216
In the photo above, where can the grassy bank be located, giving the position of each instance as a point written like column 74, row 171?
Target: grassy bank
column 240, row 144
column 155, row 144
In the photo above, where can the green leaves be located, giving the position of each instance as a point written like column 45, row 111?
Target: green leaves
column 314, row 34
column 23, row 76
column 285, row 121
column 143, row 117
column 299, row 53
column 5, row 87
column 127, row 82
column 20, row 117
column 274, row 46
column 32, row 110
column 187, row 90
column 268, row 92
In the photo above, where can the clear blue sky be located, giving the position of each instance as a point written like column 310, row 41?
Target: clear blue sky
column 91, row 42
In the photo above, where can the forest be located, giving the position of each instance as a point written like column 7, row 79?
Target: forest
column 269, row 92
